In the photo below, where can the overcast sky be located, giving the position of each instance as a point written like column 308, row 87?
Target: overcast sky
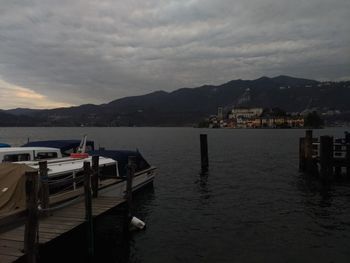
column 61, row 53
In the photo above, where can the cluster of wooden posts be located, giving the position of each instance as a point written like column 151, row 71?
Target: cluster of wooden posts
column 37, row 202
column 325, row 157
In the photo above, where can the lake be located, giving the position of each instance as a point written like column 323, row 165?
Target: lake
column 252, row 206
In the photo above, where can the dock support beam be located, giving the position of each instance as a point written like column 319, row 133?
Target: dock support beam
column 44, row 187
column 308, row 152
column 32, row 222
column 88, row 208
column 326, row 157
column 204, row 152
column 95, row 175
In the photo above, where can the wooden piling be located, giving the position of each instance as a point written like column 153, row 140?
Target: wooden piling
column 88, row 208
column 44, row 187
column 337, row 153
column 95, row 175
column 308, row 152
column 347, row 156
column 302, row 154
column 129, row 179
column 326, row 157
column 32, row 222
column 204, row 152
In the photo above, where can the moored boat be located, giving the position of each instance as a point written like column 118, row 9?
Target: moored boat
column 65, row 160
column 67, row 147
column 144, row 172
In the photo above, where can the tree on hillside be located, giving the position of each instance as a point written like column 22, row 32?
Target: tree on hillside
column 313, row 120
column 277, row 112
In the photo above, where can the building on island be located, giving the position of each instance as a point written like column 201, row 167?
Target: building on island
column 245, row 117
column 220, row 113
column 244, row 112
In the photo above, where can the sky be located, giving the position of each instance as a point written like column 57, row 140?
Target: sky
column 72, row 52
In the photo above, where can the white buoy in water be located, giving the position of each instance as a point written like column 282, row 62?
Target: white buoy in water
column 136, row 223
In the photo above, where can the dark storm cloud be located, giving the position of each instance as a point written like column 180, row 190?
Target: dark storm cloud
column 94, row 51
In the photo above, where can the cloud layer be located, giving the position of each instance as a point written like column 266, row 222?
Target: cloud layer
column 75, row 52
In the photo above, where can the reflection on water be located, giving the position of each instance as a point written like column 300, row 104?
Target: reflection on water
column 325, row 207
column 112, row 238
column 203, row 186
column 142, row 202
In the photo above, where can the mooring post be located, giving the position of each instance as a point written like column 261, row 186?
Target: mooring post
column 347, row 156
column 95, row 175
column 32, row 222
column 326, row 157
column 337, row 153
column 302, row 154
column 88, row 208
column 204, row 152
column 308, row 151
column 129, row 179
column 44, row 187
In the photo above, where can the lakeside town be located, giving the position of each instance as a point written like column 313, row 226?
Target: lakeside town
column 257, row 117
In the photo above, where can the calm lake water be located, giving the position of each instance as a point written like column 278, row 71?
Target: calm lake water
column 253, row 206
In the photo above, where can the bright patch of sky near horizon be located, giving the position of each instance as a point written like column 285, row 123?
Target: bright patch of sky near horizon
column 60, row 53
column 13, row 96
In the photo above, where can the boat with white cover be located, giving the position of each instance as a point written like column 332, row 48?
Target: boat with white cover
column 64, row 173
column 65, row 160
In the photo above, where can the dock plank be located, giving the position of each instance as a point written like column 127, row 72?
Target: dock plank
column 7, row 258
column 53, row 226
column 10, row 249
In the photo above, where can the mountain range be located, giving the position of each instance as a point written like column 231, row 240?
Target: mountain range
column 187, row 106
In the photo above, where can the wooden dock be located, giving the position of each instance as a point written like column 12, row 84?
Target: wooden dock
column 61, row 222
column 43, row 220
column 325, row 157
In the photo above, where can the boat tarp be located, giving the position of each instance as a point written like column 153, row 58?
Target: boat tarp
column 12, row 187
